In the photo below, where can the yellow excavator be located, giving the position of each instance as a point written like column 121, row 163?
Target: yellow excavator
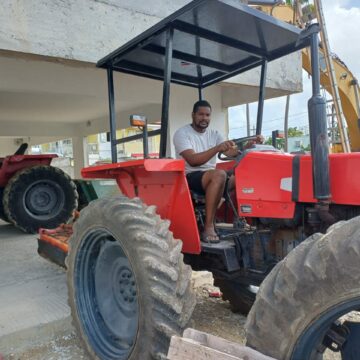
column 346, row 81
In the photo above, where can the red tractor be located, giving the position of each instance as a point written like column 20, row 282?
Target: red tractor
column 129, row 287
column 34, row 194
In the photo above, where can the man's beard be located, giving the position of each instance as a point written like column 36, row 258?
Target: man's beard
column 203, row 124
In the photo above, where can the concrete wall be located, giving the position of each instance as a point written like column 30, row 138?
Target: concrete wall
column 82, row 30
column 87, row 30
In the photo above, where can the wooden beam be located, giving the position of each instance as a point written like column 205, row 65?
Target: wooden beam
column 202, row 346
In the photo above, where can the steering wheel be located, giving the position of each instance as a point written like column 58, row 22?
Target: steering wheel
column 240, row 142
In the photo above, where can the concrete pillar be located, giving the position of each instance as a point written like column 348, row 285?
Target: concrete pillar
column 80, row 153
column 226, row 124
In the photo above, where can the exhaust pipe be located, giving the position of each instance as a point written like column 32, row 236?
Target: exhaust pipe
column 318, row 129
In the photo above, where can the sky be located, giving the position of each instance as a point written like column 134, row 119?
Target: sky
column 343, row 24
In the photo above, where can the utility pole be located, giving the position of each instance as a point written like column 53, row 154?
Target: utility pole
column 248, row 119
column 331, row 73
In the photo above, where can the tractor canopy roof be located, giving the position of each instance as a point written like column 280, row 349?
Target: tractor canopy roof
column 212, row 40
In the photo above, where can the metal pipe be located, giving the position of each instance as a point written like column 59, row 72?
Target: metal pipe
column 261, row 97
column 145, row 140
column 273, row 138
column 315, row 64
column 318, row 129
column 286, row 123
column 264, row 2
column 200, row 93
column 198, row 55
column 166, row 92
column 112, row 115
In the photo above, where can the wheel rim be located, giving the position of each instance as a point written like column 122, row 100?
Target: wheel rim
column 43, row 199
column 106, row 295
column 309, row 343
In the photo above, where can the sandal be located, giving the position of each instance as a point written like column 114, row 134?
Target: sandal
column 210, row 238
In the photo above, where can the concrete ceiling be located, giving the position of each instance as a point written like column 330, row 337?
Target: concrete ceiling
column 42, row 96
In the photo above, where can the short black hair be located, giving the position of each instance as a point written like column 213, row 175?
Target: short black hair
column 201, row 103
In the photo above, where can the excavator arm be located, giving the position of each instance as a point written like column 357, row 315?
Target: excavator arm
column 347, row 85
column 346, row 81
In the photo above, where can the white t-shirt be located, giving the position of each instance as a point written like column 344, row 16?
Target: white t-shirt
column 187, row 138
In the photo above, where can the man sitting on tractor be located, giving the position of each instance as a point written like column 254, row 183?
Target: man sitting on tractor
column 199, row 146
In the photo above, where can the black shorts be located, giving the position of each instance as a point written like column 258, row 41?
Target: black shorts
column 194, row 180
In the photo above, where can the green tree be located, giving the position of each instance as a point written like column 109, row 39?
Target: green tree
column 292, row 132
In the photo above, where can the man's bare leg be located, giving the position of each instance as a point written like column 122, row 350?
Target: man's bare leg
column 213, row 181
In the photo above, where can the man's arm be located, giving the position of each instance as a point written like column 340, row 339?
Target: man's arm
column 234, row 151
column 198, row 159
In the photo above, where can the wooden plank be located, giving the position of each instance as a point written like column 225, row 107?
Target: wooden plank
column 223, row 345
column 187, row 349
column 199, row 345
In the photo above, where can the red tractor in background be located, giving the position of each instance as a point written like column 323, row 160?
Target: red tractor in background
column 129, row 287
column 34, row 194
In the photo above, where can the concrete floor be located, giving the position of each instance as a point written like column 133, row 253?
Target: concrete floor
column 35, row 321
column 33, row 296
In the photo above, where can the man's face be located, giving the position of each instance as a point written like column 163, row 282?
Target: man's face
column 201, row 118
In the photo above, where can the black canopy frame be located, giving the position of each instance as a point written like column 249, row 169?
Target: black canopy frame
column 203, row 43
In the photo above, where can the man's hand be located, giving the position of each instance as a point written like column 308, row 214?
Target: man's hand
column 226, row 146
column 229, row 148
column 259, row 140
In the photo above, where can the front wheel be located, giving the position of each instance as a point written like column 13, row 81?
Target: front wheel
column 308, row 306
column 129, row 290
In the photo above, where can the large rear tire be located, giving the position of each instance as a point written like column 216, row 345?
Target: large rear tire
column 316, row 284
column 129, row 290
column 39, row 196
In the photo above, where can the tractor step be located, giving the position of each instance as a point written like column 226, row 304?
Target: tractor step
column 226, row 249
column 238, row 247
